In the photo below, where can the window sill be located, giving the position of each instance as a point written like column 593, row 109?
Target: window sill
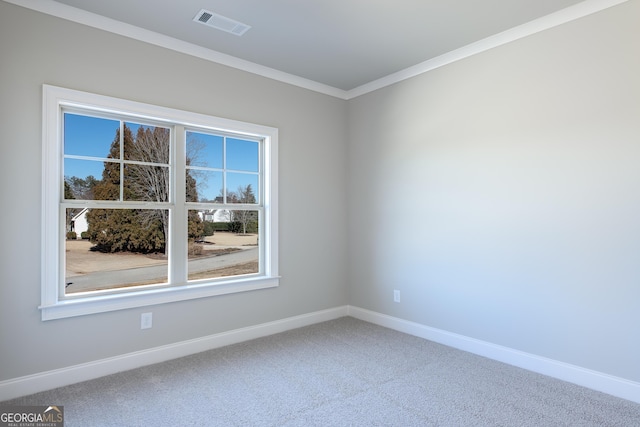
column 104, row 303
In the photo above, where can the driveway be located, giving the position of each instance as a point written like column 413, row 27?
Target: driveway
column 87, row 270
column 154, row 273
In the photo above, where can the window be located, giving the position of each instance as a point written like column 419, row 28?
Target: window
column 145, row 205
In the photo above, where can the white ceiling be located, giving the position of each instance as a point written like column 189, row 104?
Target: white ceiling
column 340, row 44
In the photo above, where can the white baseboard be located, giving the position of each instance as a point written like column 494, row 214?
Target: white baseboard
column 594, row 380
column 30, row 384
column 35, row 383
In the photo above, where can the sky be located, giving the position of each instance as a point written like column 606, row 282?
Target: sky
column 91, row 138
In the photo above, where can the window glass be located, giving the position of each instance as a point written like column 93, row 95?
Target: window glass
column 103, row 254
column 82, row 176
column 242, row 188
column 146, row 183
column 207, row 185
column 227, row 246
column 204, row 150
column 90, row 136
column 145, row 143
column 242, row 155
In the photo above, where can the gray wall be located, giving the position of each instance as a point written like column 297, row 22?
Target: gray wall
column 37, row 49
column 501, row 195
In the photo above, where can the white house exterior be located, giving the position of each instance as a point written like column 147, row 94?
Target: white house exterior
column 79, row 223
column 220, row 215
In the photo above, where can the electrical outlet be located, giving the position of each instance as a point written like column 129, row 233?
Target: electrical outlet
column 146, row 320
column 396, row 295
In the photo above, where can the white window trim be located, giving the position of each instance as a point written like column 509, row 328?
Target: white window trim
column 54, row 307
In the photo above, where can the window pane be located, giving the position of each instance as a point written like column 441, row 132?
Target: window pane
column 146, row 143
column 226, row 244
column 204, row 150
column 242, row 155
column 114, row 248
column 146, row 183
column 82, row 180
column 242, row 188
column 91, row 136
column 204, row 186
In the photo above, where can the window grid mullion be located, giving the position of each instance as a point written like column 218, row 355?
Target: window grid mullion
column 121, row 160
column 224, row 170
column 178, row 227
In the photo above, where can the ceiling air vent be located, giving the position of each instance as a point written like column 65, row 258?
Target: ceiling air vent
column 220, row 22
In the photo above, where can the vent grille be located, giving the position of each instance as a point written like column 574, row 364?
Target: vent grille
column 221, row 23
column 204, row 17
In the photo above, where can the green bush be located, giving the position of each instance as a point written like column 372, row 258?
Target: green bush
column 209, row 228
column 221, row 226
column 236, row 227
column 71, row 235
column 84, row 235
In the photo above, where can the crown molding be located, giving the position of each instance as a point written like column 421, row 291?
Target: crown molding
column 90, row 19
column 555, row 19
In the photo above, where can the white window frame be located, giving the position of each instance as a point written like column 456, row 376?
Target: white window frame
column 54, row 305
